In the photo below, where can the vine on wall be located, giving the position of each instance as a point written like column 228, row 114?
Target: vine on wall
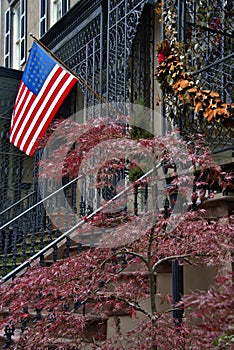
column 179, row 86
column 173, row 78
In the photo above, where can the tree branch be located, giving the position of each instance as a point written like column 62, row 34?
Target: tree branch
column 167, row 258
column 125, row 251
column 131, row 303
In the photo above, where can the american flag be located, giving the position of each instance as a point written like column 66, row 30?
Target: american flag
column 43, row 87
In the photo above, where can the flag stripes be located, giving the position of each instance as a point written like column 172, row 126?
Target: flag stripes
column 33, row 113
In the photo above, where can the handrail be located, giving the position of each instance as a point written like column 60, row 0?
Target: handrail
column 27, row 263
column 40, row 202
column 18, row 202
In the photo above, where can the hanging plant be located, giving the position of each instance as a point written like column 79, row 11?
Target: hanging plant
column 173, row 78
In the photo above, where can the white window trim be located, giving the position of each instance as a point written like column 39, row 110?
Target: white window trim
column 15, row 37
column 43, row 18
column 23, row 24
column 64, row 6
column 7, row 39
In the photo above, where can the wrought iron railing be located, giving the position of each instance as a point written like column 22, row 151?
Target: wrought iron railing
column 28, row 230
column 51, row 250
column 18, row 207
column 32, row 234
column 64, row 240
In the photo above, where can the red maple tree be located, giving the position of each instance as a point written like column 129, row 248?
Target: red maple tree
column 120, row 274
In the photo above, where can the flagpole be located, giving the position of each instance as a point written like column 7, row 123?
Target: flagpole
column 73, row 73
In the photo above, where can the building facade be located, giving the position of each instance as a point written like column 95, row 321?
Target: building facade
column 18, row 19
column 111, row 45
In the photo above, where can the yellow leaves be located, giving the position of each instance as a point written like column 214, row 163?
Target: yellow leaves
column 214, row 94
column 172, row 67
column 172, row 74
column 202, row 100
column 163, row 46
column 212, row 111
column 209, row 114
column 171, row 57
column 199, row 106
column 181, row 84
column 193, row 89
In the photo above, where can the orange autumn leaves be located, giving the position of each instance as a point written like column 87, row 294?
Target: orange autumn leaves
column 173, row 79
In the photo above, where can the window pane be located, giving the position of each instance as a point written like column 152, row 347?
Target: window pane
column 42, row 27
column 43, row 8
column 7, row 49
column 22, row 54
column 22, row 6
column 7, row 38
column 22, row 49
column 7, row 62
column 22, row 27
column 65, row 6
column 7, row 21
column 59, row 9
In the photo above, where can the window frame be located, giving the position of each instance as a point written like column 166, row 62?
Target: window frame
column 15, row 36
column 43, row 21
column 58, row 8
column 23, row 31
column 65, row 7
column 7, row 38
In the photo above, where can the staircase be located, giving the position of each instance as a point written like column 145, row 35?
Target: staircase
column 30, row 238
column 51, row 245
column 26, row 229
column 97, row 326
column 25, row 244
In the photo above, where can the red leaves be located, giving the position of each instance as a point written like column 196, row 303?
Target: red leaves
column 116, row 281
column 161, row 57
column 78, row 280
column 132, row 313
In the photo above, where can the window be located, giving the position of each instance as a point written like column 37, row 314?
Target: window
column 18, row 34
column 7, row 39
column 58, row 9
column 22, row 31
column 65, row 6
column 43, row 17
column 16, row 37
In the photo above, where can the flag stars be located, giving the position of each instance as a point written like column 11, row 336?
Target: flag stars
column 38, row 67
